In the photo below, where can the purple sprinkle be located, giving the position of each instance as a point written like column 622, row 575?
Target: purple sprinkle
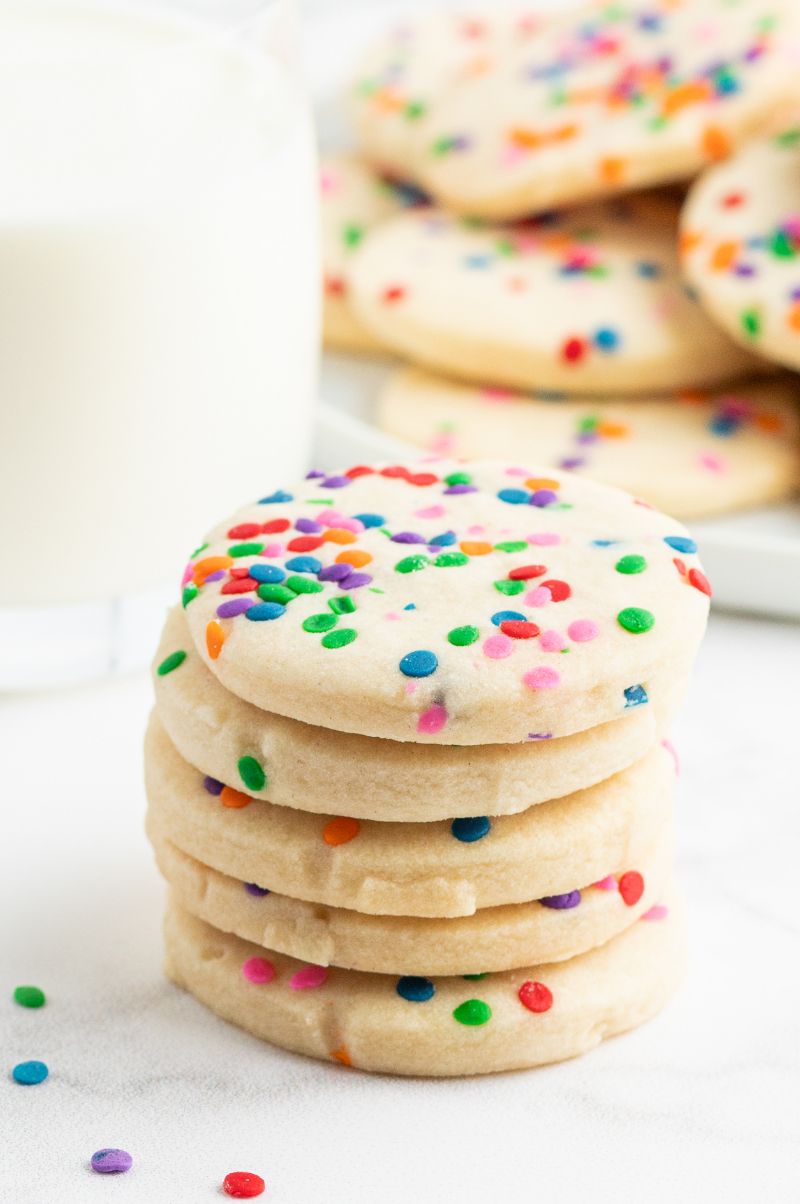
column 308, row 526
column 562, row 902
column 111, row 1162
column 543, row 497
column 234, row 607
column 587, row 437
column 215, row 576
column 540, row 735
column 571, row 462
column 461, row 489
column 408, row 537
column 314, row 474
column 213, row 786
column 355, row 580
column 336, row 482
column 744, row 269
column 335, row 572
column 253, row 889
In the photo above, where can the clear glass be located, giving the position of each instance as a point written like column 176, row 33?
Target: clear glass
column 158, row 307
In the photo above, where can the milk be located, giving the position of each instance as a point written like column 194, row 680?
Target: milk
column 158, row 294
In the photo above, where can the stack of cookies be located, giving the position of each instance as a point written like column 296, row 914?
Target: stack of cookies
column 544, row 313
column 407, row 773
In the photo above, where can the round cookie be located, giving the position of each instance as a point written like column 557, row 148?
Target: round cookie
column 353, row 199
column 691, row 454
column 435, row 869
column 609, row 97
column 589, row 301
column 495, row 938
column 444, row 1026
column 319, row 770
column 741, row 245
column 457, row 605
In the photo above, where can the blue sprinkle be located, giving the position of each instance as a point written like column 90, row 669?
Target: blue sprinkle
column 515, row 497
column 635, row 696
column 253, row 888
column 681, row 543
column 419, row 663
column 29, row 1073
column 562, row 902
column 478, row 261
column 410, row 606
column 213, row 786
column 304, row 564
column 604, row 543
column 415, row 990
column 606, row 339
column 444, row 540
column 269, row 573
column 370, row 520
column 264, row 610
column 500, row 616
column 470, row 830
column 724, row 424
column 278, row 496
column 650, row 271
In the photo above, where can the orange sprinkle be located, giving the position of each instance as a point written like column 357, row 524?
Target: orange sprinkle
column 341, row 1055
column 234, row 798
column 339, row 535
column 693, row 397
column 715, row 143
column 355, row 557
column 688, row 240
column 340, row 830
column 612, row 170
column 563, row 133
column 211, row 564
column 524, row 138
column 388, row 101
column 215, row 638
column 613, row 430
column 723, row 255
column 475, row 548
column 769, row 422
column 542, row 483
column 793, row 316
column 691, row 93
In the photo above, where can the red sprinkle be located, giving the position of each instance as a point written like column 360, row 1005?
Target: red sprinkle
column 422, row 478
column 275, row 526
column 396, row 470
column 631, row 887
column 304, row 543
column 395, row 292
column 241, row 571
column 679, row 565
column 526, row 571
column 244, row 531
column 243, row 1185
column 535, row 996
column 732, row 200
column 700, row 581
column 240, row 585
column 559, row 590
column 519, row 629
column 359, row 470
column 573, row 349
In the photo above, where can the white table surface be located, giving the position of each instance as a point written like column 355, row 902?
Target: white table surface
column 701, row 1104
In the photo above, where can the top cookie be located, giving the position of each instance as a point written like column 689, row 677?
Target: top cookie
column 607, row 98
column 741, row 245
column 440, row 602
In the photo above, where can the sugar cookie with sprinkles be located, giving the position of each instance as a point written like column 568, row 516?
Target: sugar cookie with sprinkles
column 353, row 199
column 450, row 603
column 453, row 1025
column 741, row 245
column 555, row 928
column 607, row 98
column 588, row 301
column 447, row 868
column 692, row 453
column 318, row 770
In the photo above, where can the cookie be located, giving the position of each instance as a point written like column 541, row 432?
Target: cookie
column 491, row 603
column 608, row 97
column 692, row 454
column 741, row 245
column 588, row 301
column 295, row 765
column 441, row 1026
column 495, row 938
column 353, row 199
column 434, row 869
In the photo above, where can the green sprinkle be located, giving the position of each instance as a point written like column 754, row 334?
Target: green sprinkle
column 411, row 564
column 461, row 636
column 476, row 977
column 449, row 560
column 173, row 661
column 197, row 551
column 338, row 639
column 789, row 138
column 458, row 478
column 251, row 773
column 352, row 236
column 29, row 997
column 588, row 424
column 473, row 1012
column 317, row 623
column 303, row 585
column 414, row 110
column 631, row 564
column 246, row 549
column 512, row 545
column 751, row 322
column 189, row 592
column 781, row 245
column 270, row 592
column 635, row 619
column 509, row 588
column 343, row 605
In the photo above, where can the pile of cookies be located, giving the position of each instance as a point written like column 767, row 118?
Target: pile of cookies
column 628, row 334
column 407, row 770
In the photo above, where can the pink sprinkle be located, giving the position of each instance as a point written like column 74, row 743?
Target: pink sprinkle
column 659, row 911
column 391, row 614
column 498, row 647
column 430, row 512
column 495, row 395
column 510, row 155
column 543, row 678
column 583, row 630
column 187, row 573
column 712, row 462
column 332, row 518
column 551, row 641
column 544, row 539
column 327, row 181
column 308, row 977
column 476, row 530
column 673, row 752
column 539, row 596
column 411, row 687
column 273, row 549
column 517, row 472
column 609, row 883
column 443, row 443
column 432, row 720
column 258, row 970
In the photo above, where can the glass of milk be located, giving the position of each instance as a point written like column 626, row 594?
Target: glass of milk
column 158, row 307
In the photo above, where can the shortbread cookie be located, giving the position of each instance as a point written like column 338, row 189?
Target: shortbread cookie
column 442, row 1026
column 353, row 199
column 589, row 301
column 741, row 245
column 609, row 97
column 496, row 938
column 692, row 454
column 315, row 769
column 435, row 869
column 458, row 605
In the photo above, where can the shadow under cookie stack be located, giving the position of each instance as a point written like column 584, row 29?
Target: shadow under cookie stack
column 407, row 771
